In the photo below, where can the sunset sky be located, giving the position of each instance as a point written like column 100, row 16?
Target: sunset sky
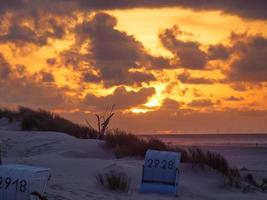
column 169, row 66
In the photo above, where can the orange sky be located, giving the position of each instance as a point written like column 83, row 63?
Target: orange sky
column 168, row 69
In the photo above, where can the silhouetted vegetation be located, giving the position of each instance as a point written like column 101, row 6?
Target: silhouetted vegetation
column 126, row 144
column 253, row 185
column 103, row 121
column 9, row 114
column 41, row 120
column 39, row 196
column 211, row 159
column 114, row 181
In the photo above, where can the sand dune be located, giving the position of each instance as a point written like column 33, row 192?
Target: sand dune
column 74, row 163
column 6, row 125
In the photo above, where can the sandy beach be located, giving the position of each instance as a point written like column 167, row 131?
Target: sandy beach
column 75, row 162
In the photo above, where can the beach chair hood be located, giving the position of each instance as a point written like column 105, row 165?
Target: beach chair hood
column 160, row 172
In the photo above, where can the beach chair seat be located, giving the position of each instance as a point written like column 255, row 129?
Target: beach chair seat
column 17, row 182
column 161, row 172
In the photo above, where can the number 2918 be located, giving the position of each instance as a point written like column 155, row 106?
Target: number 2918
column 19, row 185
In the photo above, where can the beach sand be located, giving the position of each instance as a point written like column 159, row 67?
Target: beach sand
column 75, row 162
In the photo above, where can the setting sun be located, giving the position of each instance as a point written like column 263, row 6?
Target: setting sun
column 161, row 61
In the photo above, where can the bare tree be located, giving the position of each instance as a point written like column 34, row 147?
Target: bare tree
column 103, row 121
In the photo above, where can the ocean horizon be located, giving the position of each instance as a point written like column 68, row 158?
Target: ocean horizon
column 218, row 139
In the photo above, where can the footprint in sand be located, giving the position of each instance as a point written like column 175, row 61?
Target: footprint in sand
column 38, row 149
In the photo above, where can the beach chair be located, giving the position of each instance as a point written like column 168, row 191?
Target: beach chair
column 161, row 172
column 17, row 182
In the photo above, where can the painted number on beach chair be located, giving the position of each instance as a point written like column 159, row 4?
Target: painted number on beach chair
column 18, row 185
column 164, row 164
column 17, row 182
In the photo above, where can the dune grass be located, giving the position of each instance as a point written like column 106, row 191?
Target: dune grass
column 114, row 181
column 126, row 144
column 41, row 120
column 254, row 185
column 11, row 115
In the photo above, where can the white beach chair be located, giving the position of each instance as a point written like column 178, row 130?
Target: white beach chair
column 161, row 172
column 17, row 182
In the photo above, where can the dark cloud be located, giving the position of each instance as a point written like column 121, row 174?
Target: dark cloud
column 219, row 51
column 185, row 77
column 239, row 86
column 170, row 105
column 31, row 24
column 47, row 77
column 90, row 78
column 20, row 69
column 122, row 98
column 22, row 34
column 251, row 63
column 188, row 53
column 73, row 58
column 112, row 53
column 33, row 7
column 118, row 77
column 21, row 91
column 110, row 47
column 33, row 94
column 158, row 63
column 233, row 98
column 245, row 8
column 137, row 78
column 21, row 88
column 201, row 103
column 39, row 35
column 51, row 61
column 11, row 4
column 5, row 68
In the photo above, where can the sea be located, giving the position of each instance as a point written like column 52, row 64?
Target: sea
column 204, row 140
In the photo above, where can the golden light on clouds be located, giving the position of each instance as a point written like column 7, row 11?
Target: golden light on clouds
column 207, row 27
column 164, row 61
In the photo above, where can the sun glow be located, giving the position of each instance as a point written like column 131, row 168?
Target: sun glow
column 153, row 102
column 86, row 72
column 138, row 110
